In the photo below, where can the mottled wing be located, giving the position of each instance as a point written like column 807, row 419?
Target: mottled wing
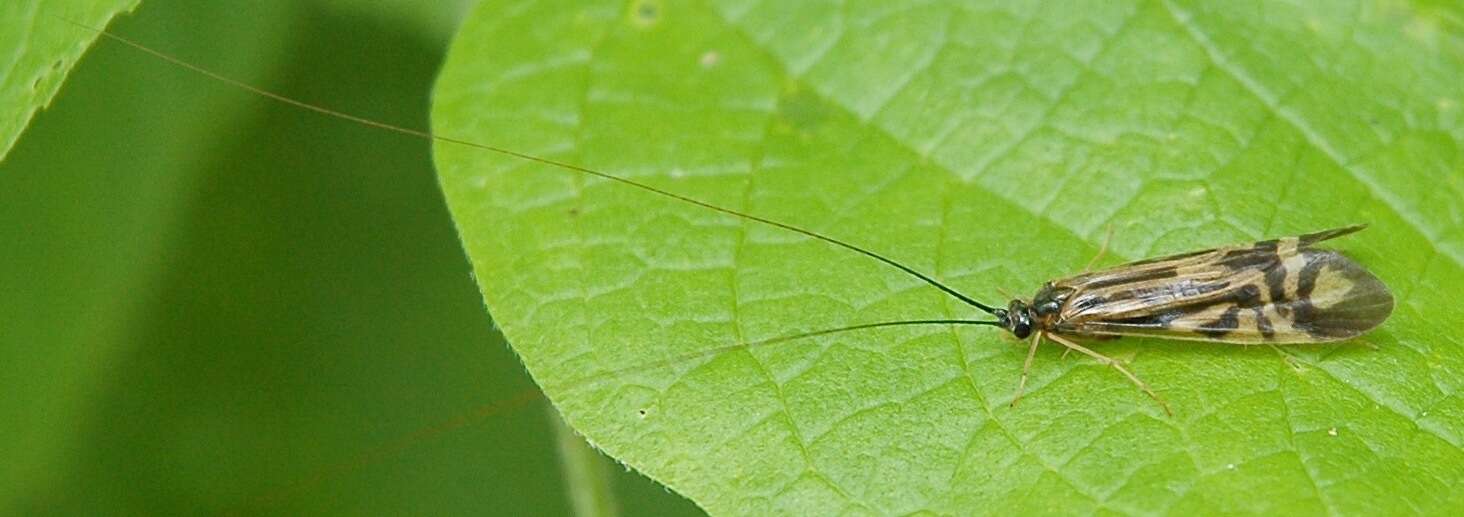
column 1155, row 285
column 1278, row 291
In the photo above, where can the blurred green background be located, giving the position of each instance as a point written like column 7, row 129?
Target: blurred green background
column 213, row 303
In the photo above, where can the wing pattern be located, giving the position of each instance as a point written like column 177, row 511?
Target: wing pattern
column 1276, row 291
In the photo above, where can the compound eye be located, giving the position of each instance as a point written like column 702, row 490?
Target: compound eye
column 1022, row 329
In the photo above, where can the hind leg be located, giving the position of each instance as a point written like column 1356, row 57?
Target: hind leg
column 1103, row 249
column 1115, row 364
column 1066, row 351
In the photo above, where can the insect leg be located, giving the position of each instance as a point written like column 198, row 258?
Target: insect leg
column 1115, row 364
column 1031, row 352
column 1290, row 361
column 1108, row 235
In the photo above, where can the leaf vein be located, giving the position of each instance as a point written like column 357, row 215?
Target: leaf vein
column 1311, row 135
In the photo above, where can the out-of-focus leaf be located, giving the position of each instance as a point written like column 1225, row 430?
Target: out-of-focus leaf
column 214, row 303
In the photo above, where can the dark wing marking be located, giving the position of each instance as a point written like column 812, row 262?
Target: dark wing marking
column 1306, row 241
column 1303, row 241
column 1277, row 291
column 1151, row 287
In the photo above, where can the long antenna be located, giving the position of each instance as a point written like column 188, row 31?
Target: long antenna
column 479, row 413
column 610, row 374
column 509, row 152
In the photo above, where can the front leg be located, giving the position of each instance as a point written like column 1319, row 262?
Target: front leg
column 1027, row 365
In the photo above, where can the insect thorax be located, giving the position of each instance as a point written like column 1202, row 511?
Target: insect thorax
column 1042, row 313
column 1021, row 317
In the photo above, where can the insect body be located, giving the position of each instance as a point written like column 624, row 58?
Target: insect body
column 1277, row 291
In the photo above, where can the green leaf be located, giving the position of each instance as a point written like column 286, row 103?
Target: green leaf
column 214, row 303
column 989, row 145
column 42, row 49
column 436, row 20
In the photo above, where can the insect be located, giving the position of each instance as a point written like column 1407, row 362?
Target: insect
column 1280, row 291
column 1275, row 291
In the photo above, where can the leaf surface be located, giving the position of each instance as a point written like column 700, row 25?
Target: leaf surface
column 989, row 145
column 41, row 50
